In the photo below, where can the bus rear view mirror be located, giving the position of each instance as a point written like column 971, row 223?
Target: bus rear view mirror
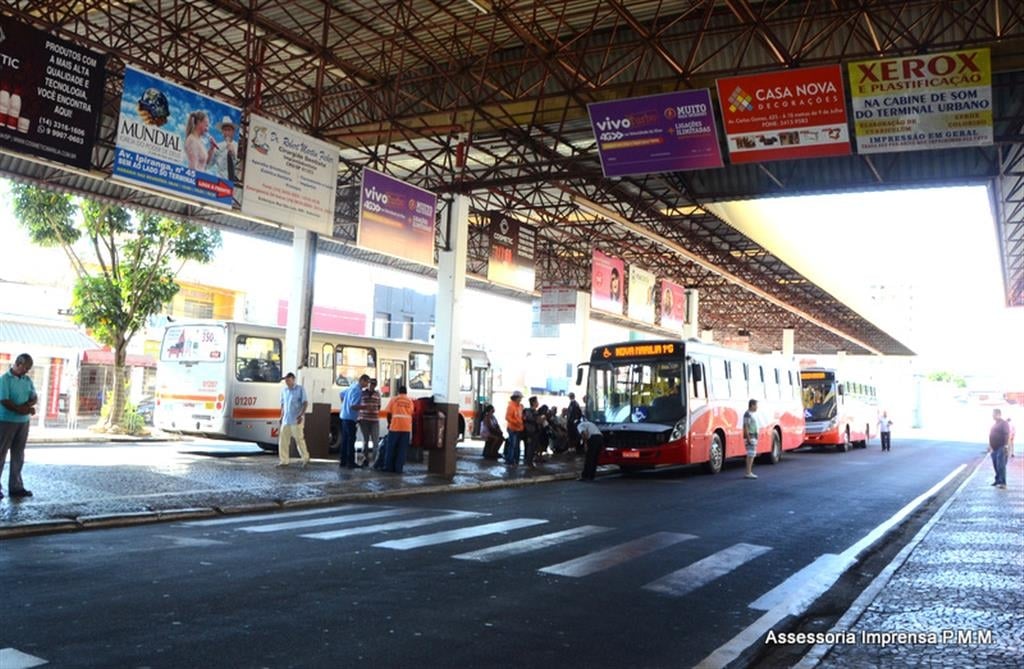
column 579, row 374
column 696, row 373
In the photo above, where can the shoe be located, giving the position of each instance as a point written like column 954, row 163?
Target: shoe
column 281, row 464
column 750, row 476
column 993, row 483
column 28, row 493
column 304, row 463
column 1001, row 486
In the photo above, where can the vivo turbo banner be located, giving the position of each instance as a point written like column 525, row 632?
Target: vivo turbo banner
column 669, row 132
column 642, row 285
column 175, row 140
column 290, row 178
column 51, row 92
column 783, row 115
column 511, row 260
column 673, row 305
column 396, row 218
column 606, row 283
column 934, row 101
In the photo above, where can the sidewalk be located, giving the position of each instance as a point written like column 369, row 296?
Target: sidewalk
column 956, row 592
column 83, row 485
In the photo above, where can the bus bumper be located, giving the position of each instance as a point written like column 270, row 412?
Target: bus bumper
column 643, row 458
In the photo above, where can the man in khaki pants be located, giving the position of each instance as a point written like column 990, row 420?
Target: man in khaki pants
column 293, row 408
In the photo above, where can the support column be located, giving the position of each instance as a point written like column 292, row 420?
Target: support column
column 708, row 336
column 451, row 282
column 691, row 328
column 300, row 301
column 788, row 339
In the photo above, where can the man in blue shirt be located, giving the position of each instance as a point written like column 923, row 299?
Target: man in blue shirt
column 293, row 408
column 350, row 400
column 17, row 406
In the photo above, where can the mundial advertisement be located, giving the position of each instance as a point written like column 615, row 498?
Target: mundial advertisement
column 669, row 132
column 175, row 140
column 784, row 115
column 932, row 101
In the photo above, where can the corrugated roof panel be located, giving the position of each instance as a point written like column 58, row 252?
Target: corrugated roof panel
column 40, row 334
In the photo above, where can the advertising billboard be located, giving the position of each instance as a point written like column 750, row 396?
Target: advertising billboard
column 783, row 115
column 290, row 178
column 642, row 285
column 51, row 94
column 396, row 218
column 606, row 281
column 673, row 305
column 669, row 132
column 932, row 101
column 175, row 140
column 511, row 258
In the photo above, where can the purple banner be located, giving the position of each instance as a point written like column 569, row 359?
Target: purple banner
column 669, row 132
column 396, row 218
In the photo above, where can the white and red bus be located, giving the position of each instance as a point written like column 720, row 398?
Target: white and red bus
column 837, row 412
column 224, row 378
column 682, row 402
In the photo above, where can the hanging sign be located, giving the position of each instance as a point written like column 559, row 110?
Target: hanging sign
column 511, row 260
column 641, row 294
column 673, row 305
column 606, row 283
column 396, row 218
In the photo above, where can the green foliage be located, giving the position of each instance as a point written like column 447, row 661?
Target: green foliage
column 133, row 422
column 947, row 377
column 47, row 216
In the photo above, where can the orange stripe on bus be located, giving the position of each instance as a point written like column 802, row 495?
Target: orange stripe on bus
column 192, row 398
column 256, row 413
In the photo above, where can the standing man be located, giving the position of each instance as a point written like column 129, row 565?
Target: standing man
column 750, row 430
column 514, row 423
column 572, row 417
column 531, row 430
column 595, row 442
column 369, row 420
column 399, row 411
column 998, row 437
column 884, row 425
column 350, row 399
column 17, row 406
column 293, row 408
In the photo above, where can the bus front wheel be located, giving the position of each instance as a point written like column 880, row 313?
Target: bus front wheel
column 716, row 455
column 334, row 439
column 845, row 445
column 775, row 455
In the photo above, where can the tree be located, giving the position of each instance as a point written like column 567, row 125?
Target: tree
column 130, row 274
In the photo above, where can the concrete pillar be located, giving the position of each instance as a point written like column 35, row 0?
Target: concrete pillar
column 300, row 302
column 691, row 328
column 708, row 336
column 451, row 282
column 583, row 342
column 788, row 341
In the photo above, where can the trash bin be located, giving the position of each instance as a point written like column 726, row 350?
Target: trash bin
column 317, row 428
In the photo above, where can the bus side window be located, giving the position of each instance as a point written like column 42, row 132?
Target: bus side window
column 420, row 365
column 257, row 359
column 327, row 356
column 466, row 379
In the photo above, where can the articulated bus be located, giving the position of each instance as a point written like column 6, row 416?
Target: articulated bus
column 682, row 402
column 837, row 413
column 224, row 379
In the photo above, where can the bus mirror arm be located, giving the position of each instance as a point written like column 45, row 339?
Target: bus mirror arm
column 579, row 372
column 695, row 372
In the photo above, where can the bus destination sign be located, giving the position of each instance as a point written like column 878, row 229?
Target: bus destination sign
column 637, row 350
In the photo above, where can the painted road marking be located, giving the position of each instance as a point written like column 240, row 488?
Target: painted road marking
column 702, row 572
column 387, row 527
column 522, row 546
column 319, row 522
column 12, row 658
column 616, row 555
column 455, row 535
column 245, row 518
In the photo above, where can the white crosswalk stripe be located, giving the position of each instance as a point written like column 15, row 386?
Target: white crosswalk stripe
column 523, row 546
column 319, row 522
column 616, row 555
column 388, row 527
column 702, row 572
column 245, row 518
column 456, row 535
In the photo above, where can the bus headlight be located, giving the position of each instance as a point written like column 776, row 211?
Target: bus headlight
column 678, row 431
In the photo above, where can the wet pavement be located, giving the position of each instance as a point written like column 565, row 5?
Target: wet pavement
column 955, row 593
column 81, row 485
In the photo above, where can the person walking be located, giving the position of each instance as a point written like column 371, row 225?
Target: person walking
column 17, row 406
column 750, row 432
column 998, row 437
column 490, row 430
column 595, row 442
column 399, row 411
column 293, row 409
column 369, row 420
column 884, row 427
column 350, row 398
column 514, row 424
column 572, row 417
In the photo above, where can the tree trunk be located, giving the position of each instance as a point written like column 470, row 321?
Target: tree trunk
column 119, row 391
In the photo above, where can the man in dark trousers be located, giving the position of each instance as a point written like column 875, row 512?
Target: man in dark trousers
column 595, row 442
column 998, row 437
column 573, row 416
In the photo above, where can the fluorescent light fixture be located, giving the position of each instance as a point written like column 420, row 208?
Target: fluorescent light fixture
column 482, row 6
column 664, row 242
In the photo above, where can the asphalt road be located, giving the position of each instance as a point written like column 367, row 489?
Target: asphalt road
column 653, row 570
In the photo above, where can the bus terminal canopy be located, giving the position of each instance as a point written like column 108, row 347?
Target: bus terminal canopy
column 489, row 98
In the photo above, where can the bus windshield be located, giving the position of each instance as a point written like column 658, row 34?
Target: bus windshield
column 636, row 392
column 194, row 343
column 819, row 397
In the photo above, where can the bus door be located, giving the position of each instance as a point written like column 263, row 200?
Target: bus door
column 698, row 409
column 482, row 394
column 392, row 375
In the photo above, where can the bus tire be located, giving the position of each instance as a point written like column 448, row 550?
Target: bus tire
column 775, row 455
column 863, row 443
column 462, row 428
column 845, row 445
column 334, row 437
column 716, row 455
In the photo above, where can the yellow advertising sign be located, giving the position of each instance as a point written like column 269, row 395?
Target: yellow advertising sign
column 931, row 101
